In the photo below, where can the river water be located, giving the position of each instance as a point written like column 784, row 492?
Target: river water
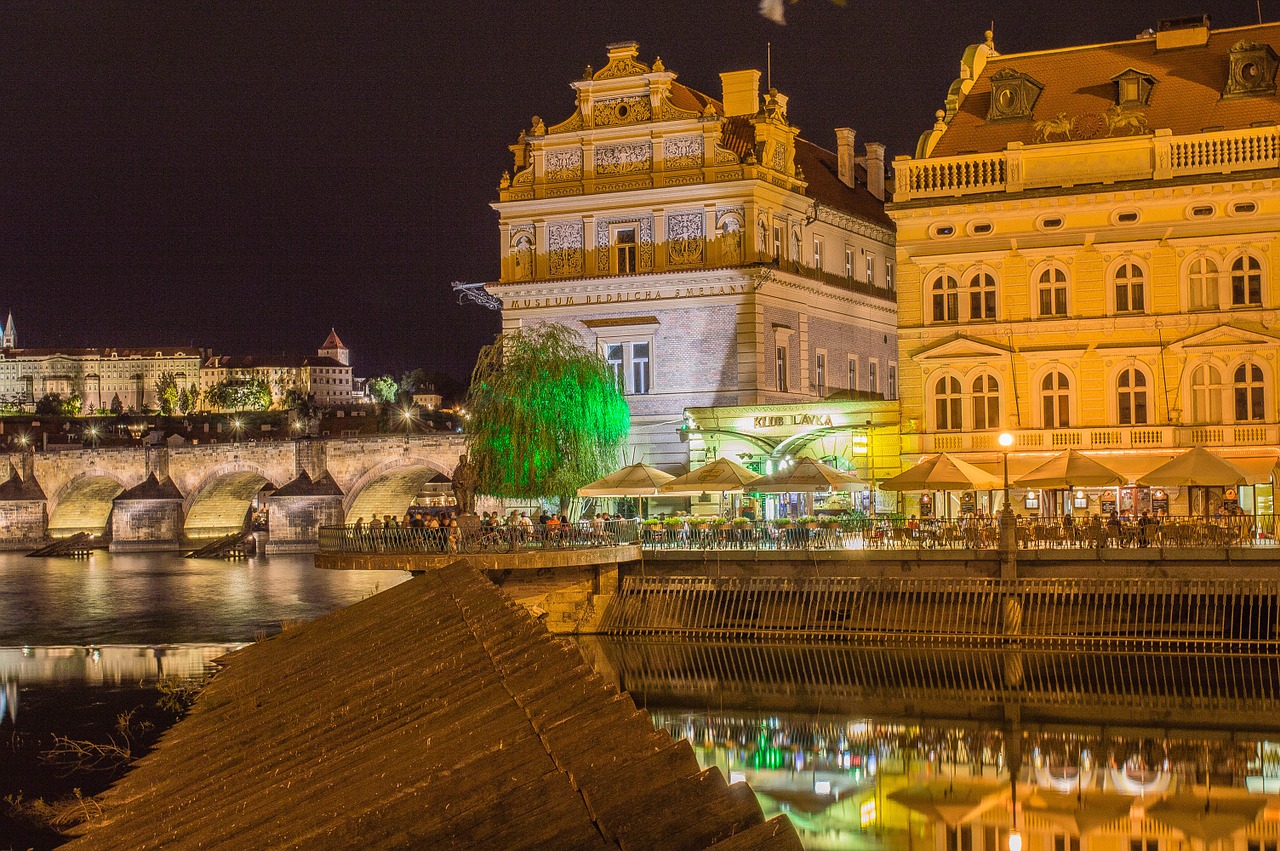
column 901, row 748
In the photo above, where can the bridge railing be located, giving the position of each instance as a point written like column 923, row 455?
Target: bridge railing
column 1248, row 530
column 408, row 540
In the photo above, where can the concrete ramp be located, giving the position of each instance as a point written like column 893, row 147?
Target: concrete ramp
column 437, row 714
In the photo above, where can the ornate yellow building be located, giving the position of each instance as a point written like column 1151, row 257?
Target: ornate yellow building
column 713, row 256
column 1087, row 254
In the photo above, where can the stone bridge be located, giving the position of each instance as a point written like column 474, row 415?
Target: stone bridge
column 162, row 497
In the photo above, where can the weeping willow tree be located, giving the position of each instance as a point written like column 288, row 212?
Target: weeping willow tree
column 546, row 415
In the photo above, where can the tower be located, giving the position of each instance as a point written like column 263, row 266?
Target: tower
column 10, row 340
column 332, row 348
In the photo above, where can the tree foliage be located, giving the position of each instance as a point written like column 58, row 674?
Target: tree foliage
column 384, row 389
column 167, row 392
column 54, row 405
column 546, row 415
column 253, row 394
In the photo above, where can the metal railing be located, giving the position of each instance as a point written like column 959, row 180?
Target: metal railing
column 408, row 540
column 1247, row 530
column 1237, row 614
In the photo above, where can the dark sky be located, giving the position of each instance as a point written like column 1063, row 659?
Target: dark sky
column 243, row 175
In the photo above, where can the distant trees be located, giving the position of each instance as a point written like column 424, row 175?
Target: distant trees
column 54, row 405
column 384, row 389
column 252, row 394
column 168, row 393
column 117, row 407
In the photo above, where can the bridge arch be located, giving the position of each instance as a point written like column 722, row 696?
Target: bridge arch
column 83, row 503
column 389, row 488
column 218, row 505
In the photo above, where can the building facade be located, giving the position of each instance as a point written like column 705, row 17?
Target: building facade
column 1087, row 254
column 710, row 254
column 98, row 376
column 325, row 378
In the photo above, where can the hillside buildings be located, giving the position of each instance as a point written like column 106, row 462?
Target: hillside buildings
column 712, row 255
column 1087, row 257
column 325, row 378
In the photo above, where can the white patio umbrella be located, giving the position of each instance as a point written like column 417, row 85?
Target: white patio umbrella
column 806, row 476
column 1195, row 468
column 1071, row 469
column 632, row 480
column 720, row 476
column 942, row 473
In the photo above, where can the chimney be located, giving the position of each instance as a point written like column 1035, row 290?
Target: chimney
column 741, row 92
column 1182, row 32
column 844, row 155
column 875, row 169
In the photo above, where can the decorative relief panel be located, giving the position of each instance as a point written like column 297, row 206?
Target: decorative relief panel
column 564, row 164
column 646, row 240
column 725, row 156
column 683, row 180
column 624, row 158
column 682, row 152
column 626, row 110
column 522, row 253
column 686, row 236
column 779, row 158
column 730, row 221
column 564, row 248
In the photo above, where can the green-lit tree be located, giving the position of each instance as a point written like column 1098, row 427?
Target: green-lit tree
column 167, row 392
column 545, row 415
column 384, row 389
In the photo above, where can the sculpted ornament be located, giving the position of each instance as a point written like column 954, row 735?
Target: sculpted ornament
column 627, row 110
column 682, row 152
column 564, row 248
column 564, row 164
column 624, row 158
column 685, row 233
column 1116, row 121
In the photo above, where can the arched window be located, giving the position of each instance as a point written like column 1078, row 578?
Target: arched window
column 982, row 296
column 1250, row 394
column 1206, row 394
column 1246, row 281
column 1052, row 292
column 986, row 402
column 1055, row 400
column 1131, row 397
column 948, row 405
column 1202, row 284
column 1130, row 285
column 946, row 299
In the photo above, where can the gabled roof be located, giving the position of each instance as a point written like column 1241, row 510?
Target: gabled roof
column 1226, row 336
column 153, row 488
column 15, row 488
column 1186, row 98
column 304, row 485
column 960, row 348
column 332, row 341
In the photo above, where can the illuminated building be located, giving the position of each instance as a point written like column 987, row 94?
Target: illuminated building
column 713, row 256
column 326, row 377
column 1087, row 245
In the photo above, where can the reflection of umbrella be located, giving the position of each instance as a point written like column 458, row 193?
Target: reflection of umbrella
column 1206, row 820
column 805, row 476
column 1196, row 468
column 942, row 473
column 803, row 800
column 951, row 802
column 1078, row 814
column 720, row 476
column 1071, row 470
column 634, row 480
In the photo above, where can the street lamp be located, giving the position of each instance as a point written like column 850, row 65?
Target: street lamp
column 407, row 415
column 236, row 425
column 93, row 434
column 1006, row 440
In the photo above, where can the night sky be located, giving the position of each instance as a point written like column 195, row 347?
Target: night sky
column 244, row 175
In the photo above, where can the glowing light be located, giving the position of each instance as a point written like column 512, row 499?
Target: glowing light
column 867, row 812
column 737, row 777
column 1006, row 440
column 1015, row 841
column 822, row 787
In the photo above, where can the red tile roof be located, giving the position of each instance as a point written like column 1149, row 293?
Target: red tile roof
column 1186, row 98
column 332, row 341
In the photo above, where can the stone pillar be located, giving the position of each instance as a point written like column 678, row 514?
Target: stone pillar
column 298, row 510
column 24, row 517
column 148, row 517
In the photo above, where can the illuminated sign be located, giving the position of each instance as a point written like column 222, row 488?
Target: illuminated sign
column 792, row 420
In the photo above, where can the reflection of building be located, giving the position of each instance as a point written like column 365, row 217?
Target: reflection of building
column 326, row 377
column 712, row 255
column 1087, row 256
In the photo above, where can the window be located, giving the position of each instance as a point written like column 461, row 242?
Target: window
column 1206, row 394
column 947, row 404
column 853, row 373
column 888, row 274
column 624, row 251
column 986, row 402
column 893, row 381
column 1062, row 842
column 1144, row 845
column 1129, row 288
column 1249, row 393
column 1053, row 292
column 640, row 368
column 1202, row 284
column 946, row 299
column 1055, row 400
column 873, row 376
column 982, row 296
column 817, row 252
column 848, row 263
column 781, row 367
column 1246, row 281
column 820, row 372
column 871, row 268
column 1131, row 401
column 777, row 242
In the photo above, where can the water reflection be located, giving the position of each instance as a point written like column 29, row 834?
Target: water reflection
column 160, row 598
column 931, row 749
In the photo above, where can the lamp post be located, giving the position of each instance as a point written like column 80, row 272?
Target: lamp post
column 1008, row 537
column 1006, row 440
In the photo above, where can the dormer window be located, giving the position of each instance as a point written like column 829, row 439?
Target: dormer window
column 1013, row 95
column 1133, row 88
column 1252, row 70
